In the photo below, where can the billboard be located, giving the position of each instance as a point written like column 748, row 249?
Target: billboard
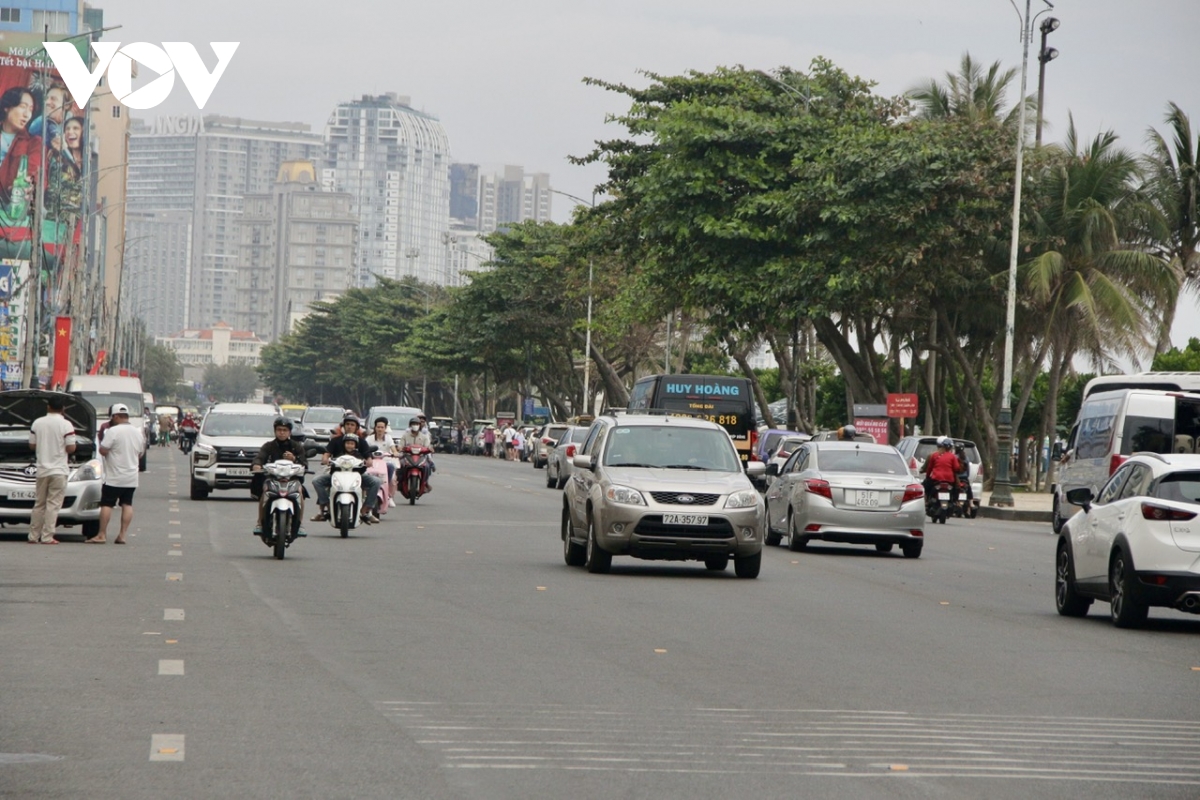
column 43, row 139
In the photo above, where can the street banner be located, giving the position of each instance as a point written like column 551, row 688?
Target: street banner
column 902, row 406
column 878, row 428
column 13, row 297
column 62, row 353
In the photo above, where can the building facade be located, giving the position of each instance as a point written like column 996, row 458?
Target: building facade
column 196, row 348
column 395, row 162
column 295, row 247
column 511, row 196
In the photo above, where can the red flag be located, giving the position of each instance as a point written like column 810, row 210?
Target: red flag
column 95, row 370
column 62, row 353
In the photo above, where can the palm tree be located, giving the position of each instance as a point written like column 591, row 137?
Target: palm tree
column 1173, row 187
column 973, row 92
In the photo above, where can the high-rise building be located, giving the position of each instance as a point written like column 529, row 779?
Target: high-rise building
column 395, row 161
column 512, row 196
column 205, row 166
column 295, row 246
column 464, row 195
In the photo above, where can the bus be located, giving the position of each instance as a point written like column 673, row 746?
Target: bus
column 727, row 401
column 1162, row 381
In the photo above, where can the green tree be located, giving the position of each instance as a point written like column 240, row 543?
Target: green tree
column 1176, row 360
column 230, row 382
column 161, row 371
column 971, row 93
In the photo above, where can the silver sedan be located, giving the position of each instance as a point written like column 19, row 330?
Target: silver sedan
column 851, row 492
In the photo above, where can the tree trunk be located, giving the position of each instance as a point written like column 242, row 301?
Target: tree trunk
column 1168, row 320
column 1050, row 413
column 739, row 356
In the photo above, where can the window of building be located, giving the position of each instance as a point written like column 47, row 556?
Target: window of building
column 116, row 112
column 10, row 15
column 51, row 21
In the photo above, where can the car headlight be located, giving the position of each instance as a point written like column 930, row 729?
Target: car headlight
column 204, row 454
column 625, row 496
column 91, row 471
column 743, row 499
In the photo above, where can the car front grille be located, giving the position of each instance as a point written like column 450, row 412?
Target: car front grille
column 652, row 525
column 17, row 475
column 672, row 498
column 236, row 455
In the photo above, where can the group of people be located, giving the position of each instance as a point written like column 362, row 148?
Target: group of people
column 53, row 440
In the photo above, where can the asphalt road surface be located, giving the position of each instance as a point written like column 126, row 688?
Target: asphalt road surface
column 449, row 653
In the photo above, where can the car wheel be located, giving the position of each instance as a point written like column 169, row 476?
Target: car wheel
column 1126, row 609
column 550, row 479
column 1056, row 521
column 597, row 560
column 884, row 548
column 538, row 463
column 773, row 538
column 795, row 543
column 199, row 490
column 1068, row 602
column 912, row 550
column 748, row 566
column 716, row 563
column 561, row 481
column 574, row 553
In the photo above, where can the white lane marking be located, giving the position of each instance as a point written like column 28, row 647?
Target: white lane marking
column 174, row 576
column 174, row 535
column 166, row 747
column 175, row 522
column 174, row 552
column 172, row 613
column 170, row 666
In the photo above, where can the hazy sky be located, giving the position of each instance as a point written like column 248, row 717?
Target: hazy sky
column 504, row 78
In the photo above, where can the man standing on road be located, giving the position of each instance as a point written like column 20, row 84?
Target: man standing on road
column 51, row 437
column 122, row 447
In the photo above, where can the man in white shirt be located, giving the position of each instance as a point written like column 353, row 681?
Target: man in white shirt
column 51, row 437
column 121, row 448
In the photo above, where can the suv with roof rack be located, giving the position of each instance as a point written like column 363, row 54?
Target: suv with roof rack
column 662, row 487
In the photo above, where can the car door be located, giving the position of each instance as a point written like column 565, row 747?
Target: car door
column 580, row 484
column 1121, row 510
column 801, row 461
column 777, row 495
column 1090, row 565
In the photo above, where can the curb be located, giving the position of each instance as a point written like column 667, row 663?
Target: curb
column 1015, row 514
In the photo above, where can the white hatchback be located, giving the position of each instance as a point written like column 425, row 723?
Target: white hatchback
column 1136, row 544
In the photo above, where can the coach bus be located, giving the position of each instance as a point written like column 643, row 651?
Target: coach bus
column 727, row 401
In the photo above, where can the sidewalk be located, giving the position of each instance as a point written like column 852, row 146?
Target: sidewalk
column 1027, row 507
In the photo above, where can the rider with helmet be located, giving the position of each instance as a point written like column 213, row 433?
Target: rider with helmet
column 417, row 434
column 282, row 448
column 846, row 433
column 360, row 448
column 942, row 467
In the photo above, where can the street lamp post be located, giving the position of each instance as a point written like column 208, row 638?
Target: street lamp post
column 1046, row 54
column 587, row 346
column 1002, row 488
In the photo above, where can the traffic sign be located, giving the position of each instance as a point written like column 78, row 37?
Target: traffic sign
column 902, row 406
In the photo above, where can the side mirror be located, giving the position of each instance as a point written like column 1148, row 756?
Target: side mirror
column 1081, row 497
column 582, row 462
column 755, row 469
column 772, row 469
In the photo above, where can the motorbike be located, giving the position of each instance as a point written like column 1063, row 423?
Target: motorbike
column 377, row 466
column 345, row 493
column 964, row 507
column 937, row 505
column 187, row 440
column 284, row 490
column 410, row 477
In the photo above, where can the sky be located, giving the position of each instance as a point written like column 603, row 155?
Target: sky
column 505, row 79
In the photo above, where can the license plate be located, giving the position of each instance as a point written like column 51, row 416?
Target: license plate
column 23, row 494
column 944, row 496
column 685, row 519
column 866, row 499
column 237, row 471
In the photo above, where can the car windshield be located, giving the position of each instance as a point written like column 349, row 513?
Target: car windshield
column 102, row 401
column 239, row 425
column 671, row 447
column 924, row 449
column 868, row 461
column 1182, row 487
column 323, row 415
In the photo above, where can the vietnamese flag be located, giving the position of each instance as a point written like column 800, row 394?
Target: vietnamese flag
column 62, row 353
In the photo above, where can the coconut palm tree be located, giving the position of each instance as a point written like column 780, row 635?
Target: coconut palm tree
column 1173, row 188
column 972, row 92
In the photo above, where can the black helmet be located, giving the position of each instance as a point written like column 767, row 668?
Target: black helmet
column 350, row 437
column 282, row 422
column 351, row 418
column 414, row 421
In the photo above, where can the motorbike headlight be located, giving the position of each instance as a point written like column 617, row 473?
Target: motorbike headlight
column 746, row 498
column 625, row 496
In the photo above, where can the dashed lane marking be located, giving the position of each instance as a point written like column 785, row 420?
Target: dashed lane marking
column 174, row 535
column 166, row 747
column 174, row 552
column 172, row 613
column 174, row 576
column 170, row 666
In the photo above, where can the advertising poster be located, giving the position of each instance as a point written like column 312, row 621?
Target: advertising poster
column 12, row 308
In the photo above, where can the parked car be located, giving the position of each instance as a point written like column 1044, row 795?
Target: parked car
column 543, row 441
column 786, row 447
column 768, row 442
column 1134, row 545
column 662, row 487
column 18, row 468
column 559, row 461
column 397, row 417
column 849, row 492
column 229, row 438
column 1112, row 426
column 916, row 449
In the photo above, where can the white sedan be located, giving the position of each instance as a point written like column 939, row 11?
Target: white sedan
column 1136, row 544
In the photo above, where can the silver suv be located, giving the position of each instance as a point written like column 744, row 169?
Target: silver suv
column 230, row 437
column 660, row 487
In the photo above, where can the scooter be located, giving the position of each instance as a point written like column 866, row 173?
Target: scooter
column 938, row 504
column 345, row 493
column 284, row 490
column 377, row 466
column 187, row 440
column 410, row 478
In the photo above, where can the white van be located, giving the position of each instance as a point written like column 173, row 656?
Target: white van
column 1113, row 425
column 104, row 391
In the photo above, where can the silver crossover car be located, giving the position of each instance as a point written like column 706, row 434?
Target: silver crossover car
column 660, row 487
column 852, row 492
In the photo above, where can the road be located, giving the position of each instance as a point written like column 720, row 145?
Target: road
column 449, row 653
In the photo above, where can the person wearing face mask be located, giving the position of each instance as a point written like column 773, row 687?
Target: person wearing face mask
column 414, row 435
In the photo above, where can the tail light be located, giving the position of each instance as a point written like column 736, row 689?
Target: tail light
column 570, row 451
column 1163, row 513
column 784, row 454
column 912, row 465
column 811, row 528
column 914, row 491
column 916, row 532
column 547, row 440
column 1116, row 461
column 818, row 486
column 753, row 442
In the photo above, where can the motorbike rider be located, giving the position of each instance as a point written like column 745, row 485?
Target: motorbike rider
column 942, row 467
column 846, row 433
column 414, row 435
column 282, row 448
column 964, row 472
column 359, row 449
column 383, row 442
column 188, row 430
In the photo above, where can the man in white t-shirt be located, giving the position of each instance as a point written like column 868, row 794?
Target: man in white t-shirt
column 51, row 437
column 122, row 447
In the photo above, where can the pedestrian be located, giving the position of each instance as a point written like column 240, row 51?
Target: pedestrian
column 121, row 448
column 489, row 439
column 52, row 438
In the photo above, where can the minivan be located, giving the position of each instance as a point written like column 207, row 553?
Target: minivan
column 1114, row 425
column 104, row 391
